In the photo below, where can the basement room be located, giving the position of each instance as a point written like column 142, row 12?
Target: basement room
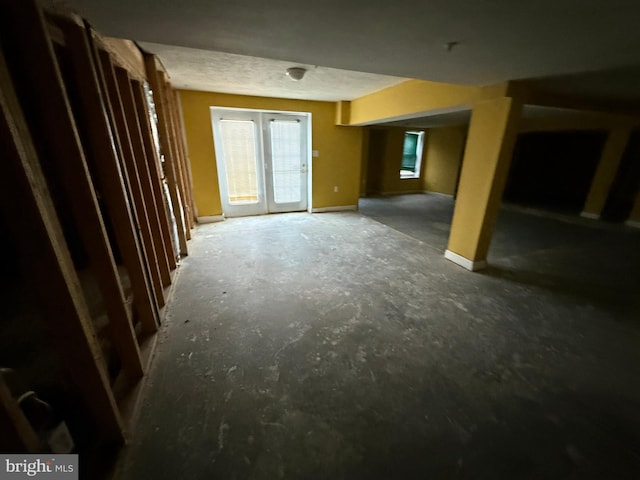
column 319, row 241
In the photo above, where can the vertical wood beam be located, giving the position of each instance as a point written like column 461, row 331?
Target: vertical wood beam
column 55, row 126
column 177, row 161
column 177, row 154
column 129, row 161
column 164, row 129
column 110, row 175
column 181, row 140
column 189, row 177
column 145, row 299
column 43, row 249
column 155, row 170
column 141, row 164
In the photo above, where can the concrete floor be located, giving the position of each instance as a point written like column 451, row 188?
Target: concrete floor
column 332, row 346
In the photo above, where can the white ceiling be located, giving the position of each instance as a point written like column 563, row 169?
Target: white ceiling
column 194, row 69
column 498, row 39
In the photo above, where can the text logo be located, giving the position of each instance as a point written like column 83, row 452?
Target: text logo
column 51, row 467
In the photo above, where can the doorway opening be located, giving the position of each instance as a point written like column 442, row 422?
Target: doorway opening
column 263, row 160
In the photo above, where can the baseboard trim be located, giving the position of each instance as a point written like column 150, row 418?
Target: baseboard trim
column 448, row 195
column 402, row 192
column 592, row 216
column 211, row 219
column 632, row 223
column 342, row 208
column 465, row 262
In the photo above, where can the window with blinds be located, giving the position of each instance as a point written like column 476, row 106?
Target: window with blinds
column 286, row 160
column 239, row 144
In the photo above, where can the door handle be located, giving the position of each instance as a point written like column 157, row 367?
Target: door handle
column 303, row 168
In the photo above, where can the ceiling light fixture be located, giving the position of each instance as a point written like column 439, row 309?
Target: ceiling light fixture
column 296, row 73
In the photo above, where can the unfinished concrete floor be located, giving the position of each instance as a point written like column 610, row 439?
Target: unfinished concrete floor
column 331, row 346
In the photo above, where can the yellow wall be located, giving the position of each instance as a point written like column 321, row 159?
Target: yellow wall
column 385, row 160
column 364, row 163
column 418, row 96
column 410, row 97
column 338, row 163
column 443, row 158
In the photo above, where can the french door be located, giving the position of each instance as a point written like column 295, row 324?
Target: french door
column 262, row 160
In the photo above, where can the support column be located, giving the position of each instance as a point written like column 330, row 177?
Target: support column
column 634, row 216
column 606, row 172
column 488, row 152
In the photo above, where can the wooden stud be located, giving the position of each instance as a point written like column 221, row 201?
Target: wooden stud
column 189, row 176
column 141, row 164
column 164, row 130
column 55, row 126
column 183, row 155
column 129, row 161
column 111, row 179
column 43, row 250
column 144, row 299
column 176, row 154
column 155, row 170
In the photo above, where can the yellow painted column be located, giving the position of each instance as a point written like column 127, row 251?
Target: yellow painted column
column 492, row 133
column 634, row 216
column 606, row 172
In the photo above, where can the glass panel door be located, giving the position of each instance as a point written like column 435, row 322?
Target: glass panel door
column 238, row 143
column 238, row 148
column 286, row 163
column 262, row 160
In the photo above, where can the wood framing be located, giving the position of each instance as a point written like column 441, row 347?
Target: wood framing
column 180, row 142
column 43, row 249
column 56, row 130
column 175, row 145
column 156, row 81
column 128, row 160
column 105, row 162
column 183, row 138
column 155, row 169
column 141, row 164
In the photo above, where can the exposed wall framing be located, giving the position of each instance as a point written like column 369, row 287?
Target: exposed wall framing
column 94, row 223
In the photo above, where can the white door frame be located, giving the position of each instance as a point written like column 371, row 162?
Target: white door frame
column 258, row 117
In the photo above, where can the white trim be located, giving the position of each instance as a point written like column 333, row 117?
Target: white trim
column 632, row 223
column 465, row 262
column 592, row 216
column 265, row 202
column 350, row 208
column 211, row 219
column 402, row 192
column 430, row 192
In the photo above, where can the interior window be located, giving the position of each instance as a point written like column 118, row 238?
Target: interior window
column 411, row 154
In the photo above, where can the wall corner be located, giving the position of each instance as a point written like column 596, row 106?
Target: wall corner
column 343, row 112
